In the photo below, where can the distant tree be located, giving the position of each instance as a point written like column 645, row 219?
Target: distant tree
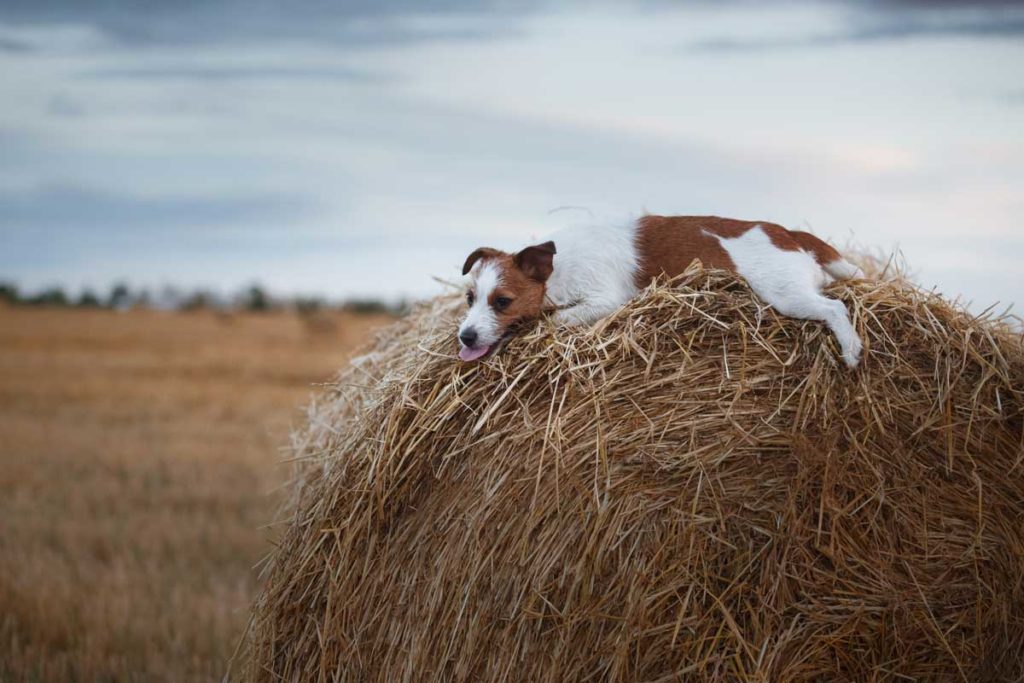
column 255, row 299
column 120, row 296
column 197, row 301
column 308, row 305
column 168, row 297
column 143, row 298
column 9, row 292
column 373, row 306
column 53, row 296
column 88, row 299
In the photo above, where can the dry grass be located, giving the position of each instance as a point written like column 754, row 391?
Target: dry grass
column 696, row 489
column 137, row 451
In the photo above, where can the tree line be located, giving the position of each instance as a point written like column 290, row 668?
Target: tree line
column 121, row 296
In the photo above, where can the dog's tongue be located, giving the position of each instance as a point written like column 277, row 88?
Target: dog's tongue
column 468, row 354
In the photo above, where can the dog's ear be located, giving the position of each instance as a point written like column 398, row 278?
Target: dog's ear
column 476, row 256
column 537, row 261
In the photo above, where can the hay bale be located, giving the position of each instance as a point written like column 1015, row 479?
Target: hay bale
column 696, row 489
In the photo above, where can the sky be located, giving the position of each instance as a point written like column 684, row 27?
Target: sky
column 363, row 148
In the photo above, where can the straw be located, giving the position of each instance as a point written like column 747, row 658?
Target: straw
column 694, row 489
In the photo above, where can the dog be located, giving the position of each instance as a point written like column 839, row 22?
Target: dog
column 584, row 274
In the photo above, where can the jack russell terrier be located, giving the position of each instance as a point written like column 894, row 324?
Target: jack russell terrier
column 595, row 270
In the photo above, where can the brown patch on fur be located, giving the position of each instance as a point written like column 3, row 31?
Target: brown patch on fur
column 526, row 293
column 537, row 262
column 823, row 252
column 522, row 280
column 482, row 252
column 668, row 244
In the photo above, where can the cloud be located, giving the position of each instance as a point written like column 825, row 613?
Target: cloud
column 944, row 4
column 336, row 188
column 69, row 209
column 14, row 45
column 234, row 73
column 64, row 106
column 875, row 34
column 865, row 23
column 1013, row 97
column 348, row 22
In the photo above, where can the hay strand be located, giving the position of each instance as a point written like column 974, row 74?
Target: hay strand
column 694, row 489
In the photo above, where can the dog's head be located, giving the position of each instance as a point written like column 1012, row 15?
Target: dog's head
column 505, row 292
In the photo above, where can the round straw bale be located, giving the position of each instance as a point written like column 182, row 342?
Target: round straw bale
column 694, row 489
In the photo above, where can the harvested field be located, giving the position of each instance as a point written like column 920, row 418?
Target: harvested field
column 696, row 489
column 139, row 459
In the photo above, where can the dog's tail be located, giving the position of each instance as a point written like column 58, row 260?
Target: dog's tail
column 826, row 255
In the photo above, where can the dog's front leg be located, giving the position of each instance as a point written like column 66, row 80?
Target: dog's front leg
column 584, row 312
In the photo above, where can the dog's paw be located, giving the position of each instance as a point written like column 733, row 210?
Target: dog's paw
column 852, row 351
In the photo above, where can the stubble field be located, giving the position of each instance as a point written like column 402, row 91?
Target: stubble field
column 139, row 456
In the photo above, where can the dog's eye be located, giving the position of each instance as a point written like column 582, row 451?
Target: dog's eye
column 502, row 302
column 470, row 298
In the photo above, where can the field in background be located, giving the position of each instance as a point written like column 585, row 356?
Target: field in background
column 139, row 455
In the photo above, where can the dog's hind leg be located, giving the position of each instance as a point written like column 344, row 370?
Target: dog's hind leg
column 790, row 279
column 811, row 305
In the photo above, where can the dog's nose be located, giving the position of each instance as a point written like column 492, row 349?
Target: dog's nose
column 468, row 337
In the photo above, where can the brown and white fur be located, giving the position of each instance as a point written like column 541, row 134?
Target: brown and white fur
column 584, row 274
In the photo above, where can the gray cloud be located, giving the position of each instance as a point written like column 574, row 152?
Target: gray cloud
column 235, row 73
column 1013, row 97
column 13, row 45
column 350, row 22
column 884, row 5
column 188, row 181
column 873, row 21
column 891, row 29
column 64, row 106
column 372, row 22
column 62, row 208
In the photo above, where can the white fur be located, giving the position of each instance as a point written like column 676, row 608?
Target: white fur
column 486, row 275
column 593, row 272
column 791, row 282
column 841, row 269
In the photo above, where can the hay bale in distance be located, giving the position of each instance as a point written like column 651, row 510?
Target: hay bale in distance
column 696, row 489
